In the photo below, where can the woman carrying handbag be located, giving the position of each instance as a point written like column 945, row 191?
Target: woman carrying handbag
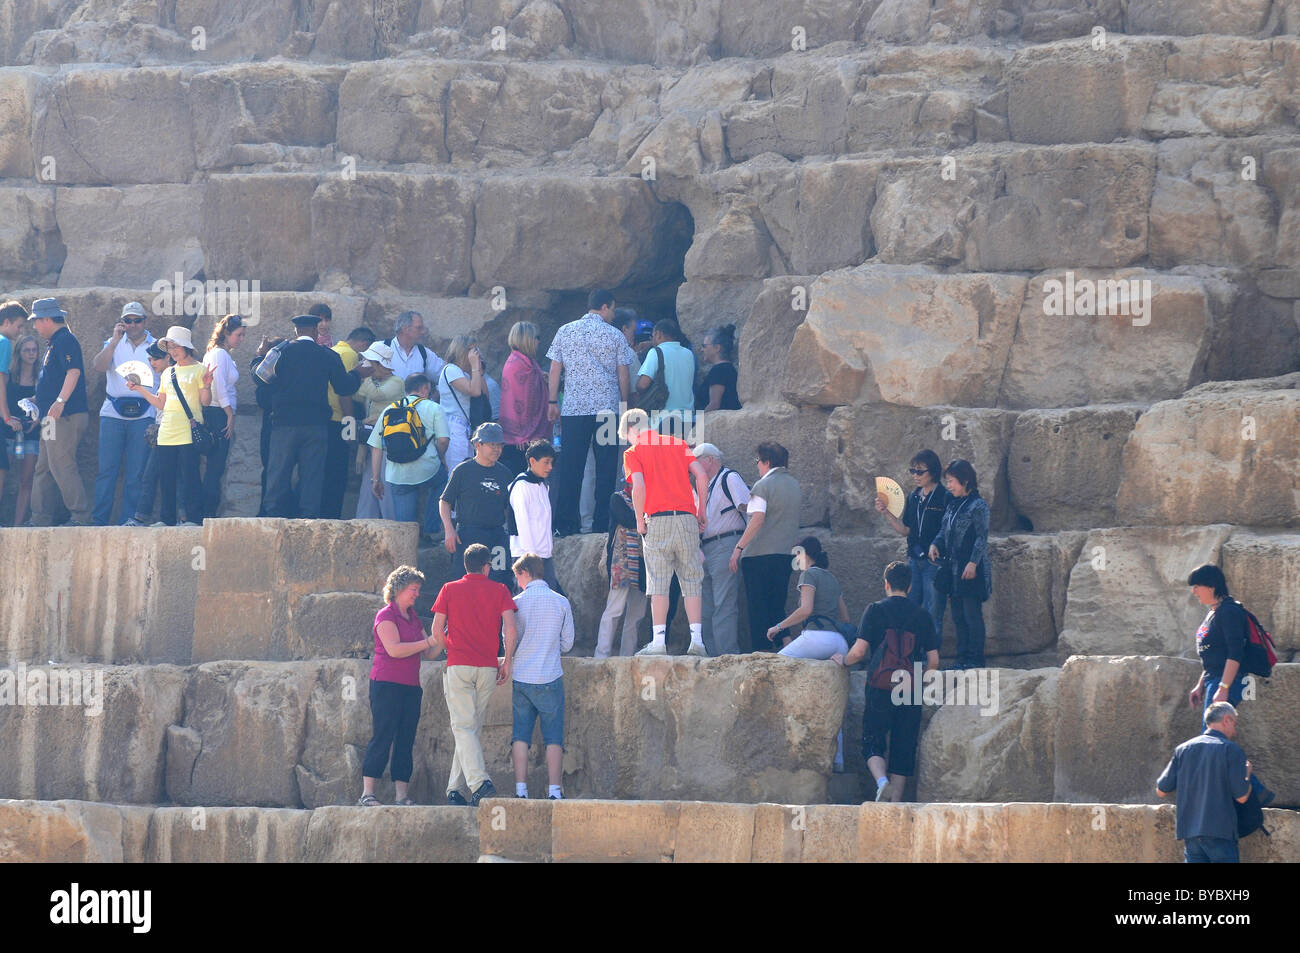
column 186, row 388
column 961, row 550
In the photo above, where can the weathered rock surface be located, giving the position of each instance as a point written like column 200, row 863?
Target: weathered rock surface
column 1063, row 466
column 1221, row 453
column 285, row 589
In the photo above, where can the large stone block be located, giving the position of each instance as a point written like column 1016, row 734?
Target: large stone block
column 276, row 208
column 129, row 237
column 18, row 90
column 870, row 440
column 802, row 431
column 923, row 210
column 439, row 835
column 998, row 745
column 103, row 594
column 769, row 329
column 392, row 111
column 1263, row 571
column 258, row 111
column 1147, row 337
column 69, row 832
column 107, row 126
column 901, row 335
column 365, row 231
column 107, row 748
column 1188, row 17
column 31, row 248
column 614, row 232
column 1216, row 201
column 1069, row 92
column 1063, row 466
column 1065, row 206
column 1118, row 721
column 1128, row 591
column 1224, row 452
column 226, row 835
column 835, row 226
column 284, row 589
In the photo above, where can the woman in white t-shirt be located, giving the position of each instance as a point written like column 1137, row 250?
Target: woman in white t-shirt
column 226, row 336
column 460, row 381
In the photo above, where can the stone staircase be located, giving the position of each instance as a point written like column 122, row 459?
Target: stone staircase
column 881, row 194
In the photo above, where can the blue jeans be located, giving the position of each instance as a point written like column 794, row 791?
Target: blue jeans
column 148, row 487
column 406, row 501
column 530, row 702
column 118, row 438
column 1234, row 699
column 968, row 620
column 923, row 592
column 1210, row 850
column 214, row 469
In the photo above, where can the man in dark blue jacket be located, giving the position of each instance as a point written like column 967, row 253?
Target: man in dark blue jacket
column 300, row 414
column 1209, row 772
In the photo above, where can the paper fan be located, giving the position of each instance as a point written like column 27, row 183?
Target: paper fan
column 141, row 371
column 893, row 493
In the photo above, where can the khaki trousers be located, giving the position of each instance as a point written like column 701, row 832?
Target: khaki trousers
column 467, row 689
column 56, row 468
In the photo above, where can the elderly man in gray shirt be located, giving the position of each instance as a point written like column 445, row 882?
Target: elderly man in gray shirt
column 724, row 513
column 1209, row 772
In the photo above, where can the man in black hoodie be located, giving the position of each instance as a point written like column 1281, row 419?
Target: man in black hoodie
column 300, row 414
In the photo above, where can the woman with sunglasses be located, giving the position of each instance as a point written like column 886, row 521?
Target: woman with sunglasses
column 226, row 336
column 922, row 517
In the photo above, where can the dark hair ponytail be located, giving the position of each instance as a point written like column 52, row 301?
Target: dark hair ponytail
column 812, row 547
column 725, row 338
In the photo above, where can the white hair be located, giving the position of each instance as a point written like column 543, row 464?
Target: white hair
column 1219, row 711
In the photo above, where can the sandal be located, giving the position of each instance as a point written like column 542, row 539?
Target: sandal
column 404, row 802
column 369, row 800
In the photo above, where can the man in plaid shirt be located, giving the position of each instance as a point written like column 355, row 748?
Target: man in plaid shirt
column 545, row 622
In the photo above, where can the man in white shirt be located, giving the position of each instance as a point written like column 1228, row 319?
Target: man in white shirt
column 545, row 623
column 724, row 514
column 123, row 419
column 530, row 510
column 410, row 356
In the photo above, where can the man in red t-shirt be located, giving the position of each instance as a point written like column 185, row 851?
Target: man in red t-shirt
column 669, row 518
column 468, row 615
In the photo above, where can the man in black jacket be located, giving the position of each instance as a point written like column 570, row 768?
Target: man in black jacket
column 300, row 414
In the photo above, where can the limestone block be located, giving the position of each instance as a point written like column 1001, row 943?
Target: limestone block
column 769, row 328
column 129, row 237
column 1221, row 453
column 1063, row 466
column 903, row 335
column 108, row 748
column 1263, row 571
column 441, row 835
column 193, row 835
column 31, row 248
column 115, row 127
column 1128, row 592
column 276, row 208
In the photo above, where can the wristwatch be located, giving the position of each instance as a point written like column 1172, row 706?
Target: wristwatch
column 59, row 400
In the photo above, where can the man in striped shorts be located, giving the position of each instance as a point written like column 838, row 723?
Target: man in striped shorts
column 669, row 519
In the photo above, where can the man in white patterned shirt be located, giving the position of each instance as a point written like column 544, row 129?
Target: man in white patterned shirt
column 545, row 623
column 594, row 358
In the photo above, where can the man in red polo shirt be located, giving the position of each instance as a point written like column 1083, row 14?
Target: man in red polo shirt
column 468, row 615
column 669, row 517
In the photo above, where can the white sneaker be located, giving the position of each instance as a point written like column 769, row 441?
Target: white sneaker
column 697, row 649
column 654, row 648
column 880, row 791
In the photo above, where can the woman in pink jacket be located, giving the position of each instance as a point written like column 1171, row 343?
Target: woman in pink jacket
column 524, row 394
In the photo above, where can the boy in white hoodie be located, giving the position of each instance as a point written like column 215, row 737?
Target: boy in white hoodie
column 530, row 510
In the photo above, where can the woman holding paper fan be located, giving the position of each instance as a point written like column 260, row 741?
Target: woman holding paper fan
column 922, row 516
column 185, row 390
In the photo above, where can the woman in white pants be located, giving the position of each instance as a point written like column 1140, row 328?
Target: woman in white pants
column 821, row 604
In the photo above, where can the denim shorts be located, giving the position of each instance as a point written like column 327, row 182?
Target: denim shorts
column 530, row 702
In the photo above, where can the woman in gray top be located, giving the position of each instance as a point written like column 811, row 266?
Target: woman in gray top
column 821, row 606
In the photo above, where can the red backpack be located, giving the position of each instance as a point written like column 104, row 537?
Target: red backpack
column 894, row 653
column 1260, row 655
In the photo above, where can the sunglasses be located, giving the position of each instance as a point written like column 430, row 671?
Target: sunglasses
column 917, row 472
column 133, row 320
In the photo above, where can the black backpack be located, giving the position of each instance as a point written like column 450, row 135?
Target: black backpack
column 512, row 525
column 1250, row 816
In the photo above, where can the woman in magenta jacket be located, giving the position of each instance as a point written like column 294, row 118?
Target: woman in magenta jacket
column 524, row 395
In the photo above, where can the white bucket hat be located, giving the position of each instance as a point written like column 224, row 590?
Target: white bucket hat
column 178, row 335
column 379, row 353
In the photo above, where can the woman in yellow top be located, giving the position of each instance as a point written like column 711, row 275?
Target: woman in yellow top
column 177, row 458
